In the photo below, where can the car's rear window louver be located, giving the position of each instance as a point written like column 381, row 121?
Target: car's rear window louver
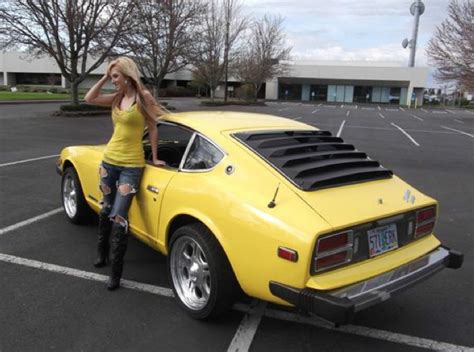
column 314, row 159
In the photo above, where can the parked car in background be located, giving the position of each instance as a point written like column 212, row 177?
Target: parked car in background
column 279, row 209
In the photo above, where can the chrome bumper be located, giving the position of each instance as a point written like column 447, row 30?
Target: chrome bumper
column 339, row 306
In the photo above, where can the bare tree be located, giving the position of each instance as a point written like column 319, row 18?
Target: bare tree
column 77, row 34
column 208, row 64
column 235, row 23
column 451, row 49
column 164, row 36
column 261, row 58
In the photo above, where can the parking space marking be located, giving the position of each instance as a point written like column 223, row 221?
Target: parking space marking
column 452, row 129
column 348, row 112
column 270, row 313
column 378, row 107
column 423, row 110
column 438, row 112
column 134, row 285
column 340, row 129
column 315, row 111
column 28, row 160
column 406, row 134
column 29, row 221
column 368, row 332
column 364, row 108
column 416, row 117
column 401, row 108
column 451, row 112
column 459, row 121
column 283, row 109
column 248, row 327
column 471, row 112
column 381, row 115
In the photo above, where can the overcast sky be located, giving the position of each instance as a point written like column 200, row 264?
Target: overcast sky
column 369, row 30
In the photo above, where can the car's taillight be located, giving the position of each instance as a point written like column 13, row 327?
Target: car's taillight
column 425, row 221
column 333, row 250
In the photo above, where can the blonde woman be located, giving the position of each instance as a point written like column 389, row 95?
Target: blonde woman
column 133, row 107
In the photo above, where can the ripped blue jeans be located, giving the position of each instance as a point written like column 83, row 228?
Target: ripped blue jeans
column 118, row 185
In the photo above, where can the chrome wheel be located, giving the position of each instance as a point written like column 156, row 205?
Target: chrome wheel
column 190, row 273
column 70, row 195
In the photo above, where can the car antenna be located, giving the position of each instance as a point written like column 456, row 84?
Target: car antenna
column 272, row 203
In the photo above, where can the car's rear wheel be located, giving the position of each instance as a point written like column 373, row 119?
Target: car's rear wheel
column 199, row 271
column 75, row 206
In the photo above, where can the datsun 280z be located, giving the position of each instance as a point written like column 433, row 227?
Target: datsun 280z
column 272, row 207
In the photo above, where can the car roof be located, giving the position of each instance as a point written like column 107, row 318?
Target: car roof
column 212, row 122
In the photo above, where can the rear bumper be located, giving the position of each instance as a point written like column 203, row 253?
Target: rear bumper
column 339, row 306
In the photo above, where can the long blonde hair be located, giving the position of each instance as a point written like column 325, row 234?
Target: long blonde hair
column 129, row 69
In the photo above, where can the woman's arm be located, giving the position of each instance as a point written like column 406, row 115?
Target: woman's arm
column 93, row 95
column 152, row 129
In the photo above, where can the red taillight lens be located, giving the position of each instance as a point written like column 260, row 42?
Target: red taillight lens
column 333, row 250
column 331, row 260
column 332, row 242
column 425, row 221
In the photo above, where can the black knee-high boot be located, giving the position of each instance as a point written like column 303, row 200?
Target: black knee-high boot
column 119, row 247
column 105, row 226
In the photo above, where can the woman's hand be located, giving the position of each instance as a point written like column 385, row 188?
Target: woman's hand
column 157, row 162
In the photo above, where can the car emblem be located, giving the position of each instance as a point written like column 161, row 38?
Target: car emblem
column 408, row 197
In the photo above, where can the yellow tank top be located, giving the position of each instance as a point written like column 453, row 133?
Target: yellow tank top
column 125, row 148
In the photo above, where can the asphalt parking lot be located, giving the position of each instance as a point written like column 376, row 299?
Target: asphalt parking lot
column 52, row 298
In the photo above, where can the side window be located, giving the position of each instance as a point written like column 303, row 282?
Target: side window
column 172, row 143
column 202, row 155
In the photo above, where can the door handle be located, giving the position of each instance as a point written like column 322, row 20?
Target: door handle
column 152, row 189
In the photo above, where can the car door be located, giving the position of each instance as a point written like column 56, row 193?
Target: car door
column 145, row 209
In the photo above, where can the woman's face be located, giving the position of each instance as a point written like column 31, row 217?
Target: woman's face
column 118, row 79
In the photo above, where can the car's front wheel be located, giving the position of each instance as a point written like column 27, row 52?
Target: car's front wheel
column 75, row 206
column 199, row 271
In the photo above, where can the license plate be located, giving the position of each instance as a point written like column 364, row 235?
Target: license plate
column 382, row 239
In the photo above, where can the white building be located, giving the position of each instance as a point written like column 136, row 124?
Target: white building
column 342, row 82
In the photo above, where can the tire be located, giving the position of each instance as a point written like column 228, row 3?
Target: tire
column 75, row 206
column 200, row 274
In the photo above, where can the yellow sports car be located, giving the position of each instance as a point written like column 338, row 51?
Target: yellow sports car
column 286, row 212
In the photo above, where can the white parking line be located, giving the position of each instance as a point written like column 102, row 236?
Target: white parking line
column 248, row 327
column 270, row 313
column 162, row 291
column 406, row 134
column 368, row 332
column 416, row 117
column 29, row 221
column 401, row 108
column 340, row 129
column 452, row 129
column 451, row 112
column 378, row 107
column 283, row 109
column 314, row 111
column 459, row 121
column 28, row 160
column 364, row 108
column 439, row 112
column 471, row 112
column 348, row 112
column 381, row 115
column 423, row 110
column 320, row 104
